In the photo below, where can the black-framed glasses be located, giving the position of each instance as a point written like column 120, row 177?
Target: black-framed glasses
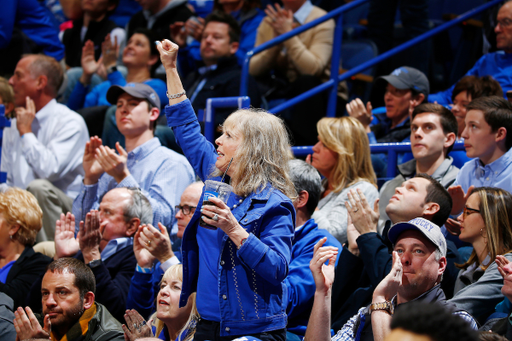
column 469, row 210
column 186, row 209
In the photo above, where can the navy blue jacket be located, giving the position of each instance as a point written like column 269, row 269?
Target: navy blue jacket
column 300, row 283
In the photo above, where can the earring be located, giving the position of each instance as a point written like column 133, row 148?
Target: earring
column 10, row 236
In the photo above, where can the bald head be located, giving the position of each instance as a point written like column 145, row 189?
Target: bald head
column 189, row 200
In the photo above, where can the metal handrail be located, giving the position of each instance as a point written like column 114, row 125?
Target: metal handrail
column 220, row 102
column 335, row 62
column 335, row 58
column 392, row 149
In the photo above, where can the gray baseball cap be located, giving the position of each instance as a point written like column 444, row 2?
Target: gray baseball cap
column 138, row 90
column 428, row 228
column 406, row 77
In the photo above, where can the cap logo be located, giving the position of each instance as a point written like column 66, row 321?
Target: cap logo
column 152, row 96
column 427, row 225
column 398, row 71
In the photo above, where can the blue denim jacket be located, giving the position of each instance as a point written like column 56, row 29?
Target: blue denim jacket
column 254, row 273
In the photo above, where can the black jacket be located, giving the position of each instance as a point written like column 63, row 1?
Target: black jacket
column 102, row 327
column 27, row 269
column 162, row 23
column 96, row 32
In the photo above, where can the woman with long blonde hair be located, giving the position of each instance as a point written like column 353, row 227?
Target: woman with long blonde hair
column 486, row 223
column 342, row 156
column 237, row 266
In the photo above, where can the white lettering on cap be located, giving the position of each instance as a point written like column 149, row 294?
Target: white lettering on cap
column 427, row 225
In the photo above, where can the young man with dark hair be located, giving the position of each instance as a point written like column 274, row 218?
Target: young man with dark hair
column 220, row 75
column 159, row 172
column 487, row 138
column 69, row 308
column 417, row 320
column 433, row 133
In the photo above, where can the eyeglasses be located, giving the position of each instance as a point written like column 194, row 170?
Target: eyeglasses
column 504, row 23
column 186, row 209
column 468, row 211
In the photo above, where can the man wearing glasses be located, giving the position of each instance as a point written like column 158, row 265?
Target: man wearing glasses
column 497, row 64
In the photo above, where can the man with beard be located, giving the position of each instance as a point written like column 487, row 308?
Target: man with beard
column 69, row 310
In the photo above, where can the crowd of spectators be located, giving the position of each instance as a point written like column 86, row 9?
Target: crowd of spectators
column 110, row 228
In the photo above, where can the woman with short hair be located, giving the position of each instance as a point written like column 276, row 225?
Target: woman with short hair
column 20, row 265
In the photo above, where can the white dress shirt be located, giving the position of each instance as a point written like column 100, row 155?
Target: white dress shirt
column 53, row 151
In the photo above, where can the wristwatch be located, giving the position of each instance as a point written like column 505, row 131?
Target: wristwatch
column 386, row 306
column 94, row 263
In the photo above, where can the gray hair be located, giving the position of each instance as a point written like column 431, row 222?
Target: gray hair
column 305, row 177
column 140, row 207
column 50, row 67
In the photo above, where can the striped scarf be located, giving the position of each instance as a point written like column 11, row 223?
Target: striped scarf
column 79, row 330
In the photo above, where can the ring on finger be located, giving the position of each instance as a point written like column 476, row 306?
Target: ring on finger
column 148, row 242
column 215, row 217
column 356, row 209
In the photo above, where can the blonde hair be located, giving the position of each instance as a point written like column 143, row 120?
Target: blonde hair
column 6, row 94
column 346, row 137
column 496, row 211
column 176, row 272
column 263, row 154
column 20, row 207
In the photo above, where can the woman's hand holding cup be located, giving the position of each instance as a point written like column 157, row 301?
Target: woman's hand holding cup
column 219, row 215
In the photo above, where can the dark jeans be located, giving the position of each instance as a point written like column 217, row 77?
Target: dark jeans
column 210, row 331
column 381, row 24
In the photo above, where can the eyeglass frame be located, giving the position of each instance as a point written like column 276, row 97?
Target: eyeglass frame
column 468, row 211
column 504, row 23
column 181, row 208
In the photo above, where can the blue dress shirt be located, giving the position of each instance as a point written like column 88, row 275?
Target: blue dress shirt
column 159, row 172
